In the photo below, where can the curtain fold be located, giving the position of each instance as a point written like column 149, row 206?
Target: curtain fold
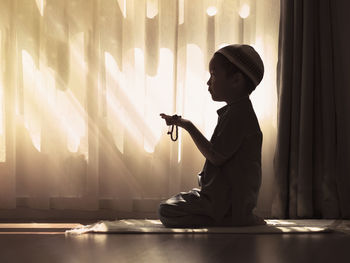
column 311, row 161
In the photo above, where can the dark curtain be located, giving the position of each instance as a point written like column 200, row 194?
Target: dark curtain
column 312, row 158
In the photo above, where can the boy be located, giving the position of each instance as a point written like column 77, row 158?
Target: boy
column 231, row 176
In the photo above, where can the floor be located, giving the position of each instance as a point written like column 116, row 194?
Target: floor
column 48, row 243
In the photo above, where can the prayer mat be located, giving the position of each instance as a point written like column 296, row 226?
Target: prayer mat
column 273, row 226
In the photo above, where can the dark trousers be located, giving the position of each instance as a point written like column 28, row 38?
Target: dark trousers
column 186, row 209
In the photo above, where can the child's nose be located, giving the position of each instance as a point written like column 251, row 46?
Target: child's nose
column 208, row 82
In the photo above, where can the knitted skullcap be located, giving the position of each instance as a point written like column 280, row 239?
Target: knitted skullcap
column 246, row 59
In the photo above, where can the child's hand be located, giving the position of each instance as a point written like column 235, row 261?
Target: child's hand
column 175, row 120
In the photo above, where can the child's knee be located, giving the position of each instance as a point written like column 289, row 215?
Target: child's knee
column 164, row 210
column 163, row 214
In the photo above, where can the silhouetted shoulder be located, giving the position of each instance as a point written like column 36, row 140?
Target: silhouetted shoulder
column 241, row 116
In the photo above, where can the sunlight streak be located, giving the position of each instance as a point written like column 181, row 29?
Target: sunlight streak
column 115, row 107
column 181, row 11
column 136, row 91
column 278, row 222
column 127, row 222
column 117, row 112
column 61, row 106
column 40, row 5
column 114, row 80
column 155, row 222
column 74, row 112
column 127, row 106
column 159, row 96
column 122, row 7
column 264, row 98
column 71, row 119
column 32, row 82
column 195, row 87
column 198, row 99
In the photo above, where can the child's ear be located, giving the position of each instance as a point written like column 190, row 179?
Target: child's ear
column 237, row 77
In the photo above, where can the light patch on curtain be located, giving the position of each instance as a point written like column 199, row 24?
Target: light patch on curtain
column 41, row 96
column 262, row 96
column 125, row 105
column 136, row 90
column 211, row 11
column 158, row 97
column 40, row 5
column 244, row 8
column 152, row 8
column 33, row 91
column 195, row 87
column 72, row 98
column 198, row 104
column 73, row 117
column 115, row 112
column 181, row 7
column 122, row 6
column 211, row 7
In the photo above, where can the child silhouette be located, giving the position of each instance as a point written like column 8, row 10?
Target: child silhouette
column 231, row 176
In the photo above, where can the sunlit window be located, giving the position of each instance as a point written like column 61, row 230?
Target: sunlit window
column 88, row 81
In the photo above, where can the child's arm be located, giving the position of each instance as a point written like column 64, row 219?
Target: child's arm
column 203, row 145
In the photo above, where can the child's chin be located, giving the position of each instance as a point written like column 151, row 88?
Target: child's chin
column 215, row 99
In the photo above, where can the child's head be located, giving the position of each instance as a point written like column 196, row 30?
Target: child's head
column 235, row 71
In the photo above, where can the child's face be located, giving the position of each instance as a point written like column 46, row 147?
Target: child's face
column 219, row 82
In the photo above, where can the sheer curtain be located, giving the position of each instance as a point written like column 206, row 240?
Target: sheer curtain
column 82, row 83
